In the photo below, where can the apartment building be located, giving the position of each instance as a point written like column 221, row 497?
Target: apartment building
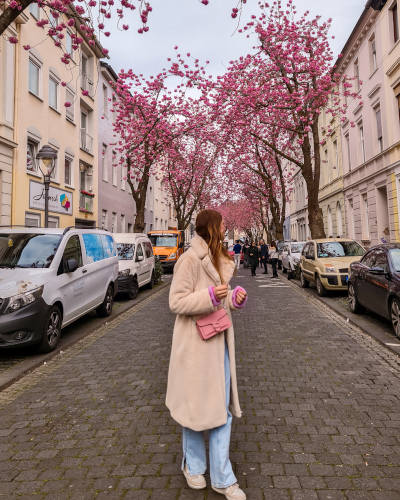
column 44, row 84
column 371, row 147
column 8, row 115
column 297, row 208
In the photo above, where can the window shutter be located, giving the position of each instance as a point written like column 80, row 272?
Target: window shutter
column 379, row 123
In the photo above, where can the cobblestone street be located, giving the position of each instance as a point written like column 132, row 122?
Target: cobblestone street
column 320, row 398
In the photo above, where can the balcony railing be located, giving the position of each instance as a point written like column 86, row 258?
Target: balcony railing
column 85, row 203
column 87, row 84
column 86, row 142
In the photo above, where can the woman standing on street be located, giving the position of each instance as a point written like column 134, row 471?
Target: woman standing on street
column 254, row 258
column 274, row 256
column 201, row 395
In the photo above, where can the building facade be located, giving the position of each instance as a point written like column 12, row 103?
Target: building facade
column 371, row 132
column 44, row 85
column 297, row 208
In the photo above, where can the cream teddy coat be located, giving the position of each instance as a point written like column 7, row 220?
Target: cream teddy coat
column 196, row 378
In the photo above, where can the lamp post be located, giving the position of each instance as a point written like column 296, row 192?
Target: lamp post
column 47, row 155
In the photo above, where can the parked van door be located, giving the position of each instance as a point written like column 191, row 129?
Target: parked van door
column 141, row 261
column 148, row 250
column 72, row 286
column 94, row 268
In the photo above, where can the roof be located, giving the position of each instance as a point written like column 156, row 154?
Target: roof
column 109, row 69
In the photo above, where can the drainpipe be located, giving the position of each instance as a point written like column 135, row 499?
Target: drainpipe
column 16, row 127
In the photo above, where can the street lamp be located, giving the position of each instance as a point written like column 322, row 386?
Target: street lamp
column 47, row 155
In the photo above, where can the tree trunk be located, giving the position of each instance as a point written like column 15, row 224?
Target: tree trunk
column 140, row 197
column 10, row 15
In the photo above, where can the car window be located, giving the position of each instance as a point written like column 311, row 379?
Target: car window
column 109, row 247
column 381, row 259
column 149, row 249
column 331, row 249
column 28, row 250
column 305, row 249
column 297, row 247
column 139, row 251
column 72, row 251
column 368, row 259
column 125, row 251
column 230, row 249
column 311, row 250
column 93, row 247
column 395, row 255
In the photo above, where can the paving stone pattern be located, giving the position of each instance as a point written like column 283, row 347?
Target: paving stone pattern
column 321, row 410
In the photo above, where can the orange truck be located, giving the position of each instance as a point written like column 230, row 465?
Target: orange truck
column 168, row 246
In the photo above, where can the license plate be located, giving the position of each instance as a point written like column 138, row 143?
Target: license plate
column 347, row 279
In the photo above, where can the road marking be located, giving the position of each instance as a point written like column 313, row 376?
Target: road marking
column 273, row 286
column 396, row 345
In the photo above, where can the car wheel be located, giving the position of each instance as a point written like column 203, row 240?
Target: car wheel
column 395, row 316
column 151, row 284
column 355, row 306
column 284, row 270
column 304, row 283
column 321, row 290
column 133, row 289
column 105, row 309
column 51, row 330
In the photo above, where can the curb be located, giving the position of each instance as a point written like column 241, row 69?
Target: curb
column 26, row 366
column 390, row 342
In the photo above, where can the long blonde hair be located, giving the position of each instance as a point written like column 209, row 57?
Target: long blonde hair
column 208, row 226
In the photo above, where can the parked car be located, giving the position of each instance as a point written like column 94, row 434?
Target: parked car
column 374, row 283
column 291, row 250
column 231, row 251
column 326, row 262
column 168, row 246
column 51, row 277
column 135, row 263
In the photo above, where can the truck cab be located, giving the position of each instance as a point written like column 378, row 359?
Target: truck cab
column 168, row 246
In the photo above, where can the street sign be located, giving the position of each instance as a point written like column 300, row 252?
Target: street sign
column 60, row 200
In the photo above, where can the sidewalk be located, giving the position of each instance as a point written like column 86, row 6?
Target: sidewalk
column 320, row 410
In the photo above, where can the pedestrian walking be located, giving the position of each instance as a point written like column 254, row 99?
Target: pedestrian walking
column 238, row 250
column 274, row 256
column 259, row 253
column 201, row 396
column 253, row 258
column 246, row 249
column 264, row 256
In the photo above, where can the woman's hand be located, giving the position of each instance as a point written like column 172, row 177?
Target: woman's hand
column 221, row 291
column 251, row 254
column 240, row 297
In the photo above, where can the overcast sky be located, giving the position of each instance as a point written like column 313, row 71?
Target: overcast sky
column 206, row 32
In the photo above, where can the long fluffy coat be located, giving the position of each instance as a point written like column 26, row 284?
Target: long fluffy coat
column 196, row 379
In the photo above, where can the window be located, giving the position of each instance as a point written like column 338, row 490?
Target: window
column 109, row 246
column 373, row 54
column 122, row 223
column 348, row 151
column 34, row 10
column 72, row 251
column 351, row 222
column 156, row 223
column 31, row 152
column 32, row 220
column 114, row 221
column 357, row 74
column 114, row 170
column 104, row 166
column 68, row 43
column 70, row 113
column 68, row 171
column 130, row 229
column 330, row 228
column 105, row 101
column 339, row 249
column 148, row 249
column 94, row 247
column 123, row 178
column 104, row 219
column 125, row 251
column 34, row 77
column 362, row 144
column 139, row 252
column 366, row 218
column 339, row 221
column 326, row 161
column 28, row 250
column 53, row 91
column 379, row 130
column 395, row 23
column 336, row 158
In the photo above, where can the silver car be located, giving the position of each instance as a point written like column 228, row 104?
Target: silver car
column 291, row 252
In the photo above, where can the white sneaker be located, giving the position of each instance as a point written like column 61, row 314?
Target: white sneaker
column 232, row 492
column 196, row 482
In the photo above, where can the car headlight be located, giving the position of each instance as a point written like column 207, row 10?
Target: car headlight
column 23, row 299
column 171, row 256
column 123, row 273
column 329, row 268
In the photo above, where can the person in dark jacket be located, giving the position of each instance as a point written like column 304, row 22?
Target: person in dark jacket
column 246, row 249
column 264, row 256
column 253, row 258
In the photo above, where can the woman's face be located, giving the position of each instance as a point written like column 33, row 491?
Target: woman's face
column 222, row 229
column 253, row 244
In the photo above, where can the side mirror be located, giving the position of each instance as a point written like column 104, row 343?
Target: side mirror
column 139, row 258
column 71, row 265
column 309, row 257
column 180, row 245
column 376, row 270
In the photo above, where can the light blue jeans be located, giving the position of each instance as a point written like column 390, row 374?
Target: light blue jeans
column 194, row 447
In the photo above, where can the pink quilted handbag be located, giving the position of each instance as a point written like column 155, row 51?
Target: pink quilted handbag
column 216, row 322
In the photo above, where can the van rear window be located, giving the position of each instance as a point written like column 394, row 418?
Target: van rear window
column 125, row 251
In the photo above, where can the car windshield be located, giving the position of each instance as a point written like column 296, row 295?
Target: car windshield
column 125, row 251
column 297, row 248
column 230, row 249
column 395, row 254
column 280, row 245
column 339, row 249
column 163, row 240
column 28, row 250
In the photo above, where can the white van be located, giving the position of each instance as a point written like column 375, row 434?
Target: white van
column 51, row 277
column 136, row 262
